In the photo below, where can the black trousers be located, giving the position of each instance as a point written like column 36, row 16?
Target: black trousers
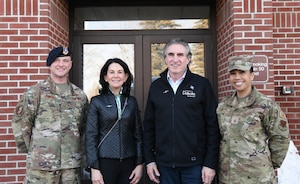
column 116, row 171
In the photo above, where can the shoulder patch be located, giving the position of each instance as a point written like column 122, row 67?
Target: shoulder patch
column 283, row 123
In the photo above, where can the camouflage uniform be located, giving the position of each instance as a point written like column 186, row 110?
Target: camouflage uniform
column 255, row 139
column 48, row 124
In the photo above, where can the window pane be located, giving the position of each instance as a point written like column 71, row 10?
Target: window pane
column 197, row 17
column 94, row 57
column 158, row 64
column 147, row 24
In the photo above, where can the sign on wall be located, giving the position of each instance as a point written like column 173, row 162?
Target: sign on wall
column 260, row 68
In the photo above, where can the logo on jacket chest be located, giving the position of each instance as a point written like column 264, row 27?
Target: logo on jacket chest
column 189, row 93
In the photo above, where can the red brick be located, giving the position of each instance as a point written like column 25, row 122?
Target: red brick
column 8, row 45
column 16, row 171
column 27, row 84
column 29, row 32
column 18, row 38
column 8, row 179
column 19, row 51
column 16, row 157
column 18, row 64
column 28, row 70
column 29, row 19
column 11, row 144
column 19, row 77
column 7, row 151
column 16, row 90
column 38, row 77
column 3, row 77
column 29, row 58
column 21, row 164
column 253, row 34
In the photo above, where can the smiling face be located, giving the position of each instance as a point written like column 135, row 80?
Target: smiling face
column 241, row 81
column 115, row 77
column 59, row 69
column 176, row 60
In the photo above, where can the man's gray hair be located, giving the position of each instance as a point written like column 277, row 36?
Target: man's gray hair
column 181, row 42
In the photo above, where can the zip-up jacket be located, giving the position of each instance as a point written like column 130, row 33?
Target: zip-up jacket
column 125, row 139
column 181, row 129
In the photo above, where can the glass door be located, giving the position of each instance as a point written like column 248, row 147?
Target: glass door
column 137, row 35
column 90, row 52
column 143, row 54
column 154, row 62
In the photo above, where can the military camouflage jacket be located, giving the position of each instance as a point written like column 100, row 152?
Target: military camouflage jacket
column 255, row 139
column 48, row 125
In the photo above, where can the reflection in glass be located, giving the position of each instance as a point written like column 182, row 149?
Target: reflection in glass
column 158, row 64
column 94, row 57
column 147, row 24
column 121, row 17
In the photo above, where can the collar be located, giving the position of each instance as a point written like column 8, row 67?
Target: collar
column 248, row 100
column 54, row 88
column 120, row 92
column 179, row 80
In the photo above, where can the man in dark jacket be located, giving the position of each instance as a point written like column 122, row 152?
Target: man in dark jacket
column 181, row 134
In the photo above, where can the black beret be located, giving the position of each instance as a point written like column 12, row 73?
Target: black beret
column 57, row 52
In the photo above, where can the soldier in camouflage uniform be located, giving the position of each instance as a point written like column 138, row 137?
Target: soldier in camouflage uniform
column 48, row 123
column 255, row 133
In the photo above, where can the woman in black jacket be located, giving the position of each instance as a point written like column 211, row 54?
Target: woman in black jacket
column 114, row 130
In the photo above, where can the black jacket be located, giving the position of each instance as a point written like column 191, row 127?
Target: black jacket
column 181, row 129
column 124, row 141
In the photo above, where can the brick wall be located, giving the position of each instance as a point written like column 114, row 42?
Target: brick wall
column 286, row 33
column 225, row 43
column 28, row 30
column 268, row 28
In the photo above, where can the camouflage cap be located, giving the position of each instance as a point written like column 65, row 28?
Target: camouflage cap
column 57, row 52
column 243, row 62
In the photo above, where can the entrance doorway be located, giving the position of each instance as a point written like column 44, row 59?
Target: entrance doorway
column 137, row 35
column 140, row 48
column 141, row 51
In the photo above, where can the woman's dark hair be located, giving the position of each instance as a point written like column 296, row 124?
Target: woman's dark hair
column 127, row 84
